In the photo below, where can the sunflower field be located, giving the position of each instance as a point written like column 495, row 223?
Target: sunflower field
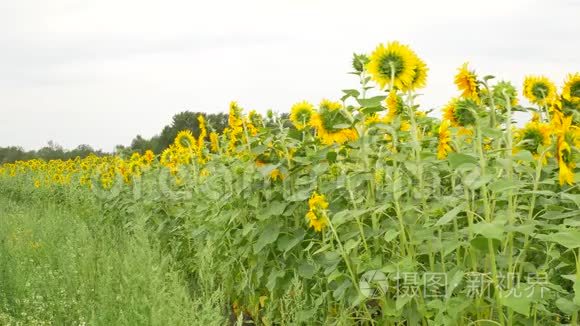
column 361, row 210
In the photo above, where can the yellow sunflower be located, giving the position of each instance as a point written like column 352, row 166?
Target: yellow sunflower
column 235, row 116
column 276, row 174
column 571, row 89
column 564, row 151
column 326, row 120
column 202, row 131
column 466, row 81
column 300, row 114
column 149, row 156
column 394, row 104
column 539, row 90
column 449, row 112
column 420, row 78
column 394, row 63
column 317, row 206
column 185, row 140
column 214, row 141
column 444, row 146
column 532, row 136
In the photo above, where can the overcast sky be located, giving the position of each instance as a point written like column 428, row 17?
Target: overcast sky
column 99, row 72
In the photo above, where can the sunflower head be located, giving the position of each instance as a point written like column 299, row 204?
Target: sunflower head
column 534, row 135
column 420, row 78
column 149, row 156
column 317, row 206
column 359, row 62
column 463, row 112
column 394, row 104
column 539, row 90
column 449, row 112
column 256, row 118
column 466, row 81
column 235, row 116
column 214, row 141
column 185, row 140
column 571, row 89
column 330, row 123
column 444, row 147
column 503, row 90
column 394, row 63
column 300, row 114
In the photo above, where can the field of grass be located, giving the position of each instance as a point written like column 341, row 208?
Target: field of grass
column 62, row 266
column 365, row 210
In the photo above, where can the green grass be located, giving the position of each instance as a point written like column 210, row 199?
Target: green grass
column 65, row 267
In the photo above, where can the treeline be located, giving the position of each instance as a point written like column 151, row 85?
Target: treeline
column 52, row 151
column 186, row 120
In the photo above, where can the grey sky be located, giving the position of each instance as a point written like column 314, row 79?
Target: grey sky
column 99, row 72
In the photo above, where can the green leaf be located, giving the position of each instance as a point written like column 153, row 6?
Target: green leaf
column 402, row 301
column 306, row 270
column 518, row 303
column 503, row 185
column 481, row 243
column 457, row 159
column 272, row 278
column 275, row 208
column 450, row 215
column 575, row 198
column 351, row 93
column 569, row 238
column 371, row 102
column 577, row 289
column 390, row 235
column 301, row 195
column 269, row 235
column 566, row 306
column 489, row 230
column 287, row 242
column 331, row 156
column 524, row 155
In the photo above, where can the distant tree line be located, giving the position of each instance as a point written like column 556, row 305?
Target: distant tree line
column 52, row 151
column 186, row 120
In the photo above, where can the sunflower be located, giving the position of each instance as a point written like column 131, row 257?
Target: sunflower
column 564, row 151
column 539, row 90
column 214, row 141
column 502, row 90
column 394, row 104
column 317, row 206
column 324, row 121
column 202, row 131
column 571, row 89
column 463, row 112
column 394, row 63
column 300, row 114
column 449, row 112
column 444, row 146
column 149, row 156
column 276, row 174
column 185, row 140
column 420, row 78
column 533, row 135
column 235, row 115
column 466, row 81
column 359, row 62
column 405, row 126
column 372, row 120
